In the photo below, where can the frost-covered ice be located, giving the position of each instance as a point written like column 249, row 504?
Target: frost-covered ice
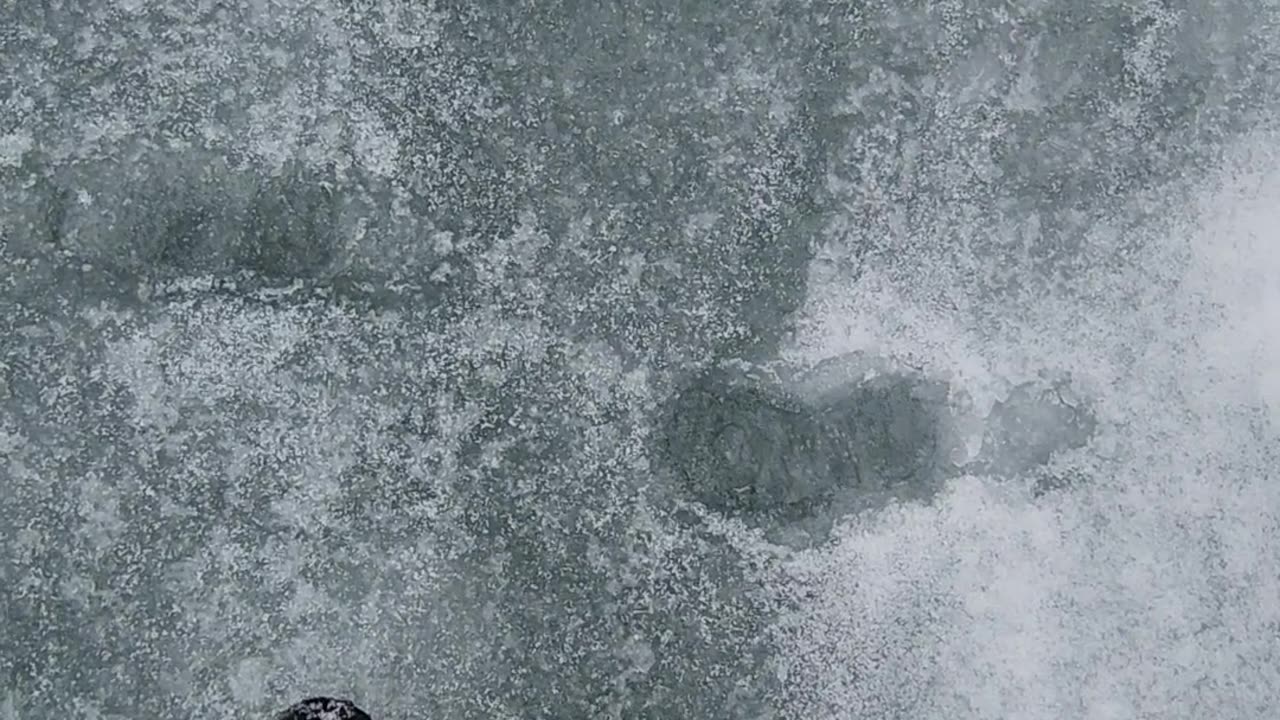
column 1147, row 590
column 728, row 360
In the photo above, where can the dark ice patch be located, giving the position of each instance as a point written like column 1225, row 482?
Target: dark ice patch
column 794, row 457
column 756, row 451
column 892, row 423
column 1028, row 427
column 750, row 450
column 291, row 228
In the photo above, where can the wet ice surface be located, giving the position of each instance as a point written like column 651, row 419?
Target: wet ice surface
column 741, row 360
column 799, row 455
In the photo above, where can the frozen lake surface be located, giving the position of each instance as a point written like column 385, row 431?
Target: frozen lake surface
column 742, row 359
